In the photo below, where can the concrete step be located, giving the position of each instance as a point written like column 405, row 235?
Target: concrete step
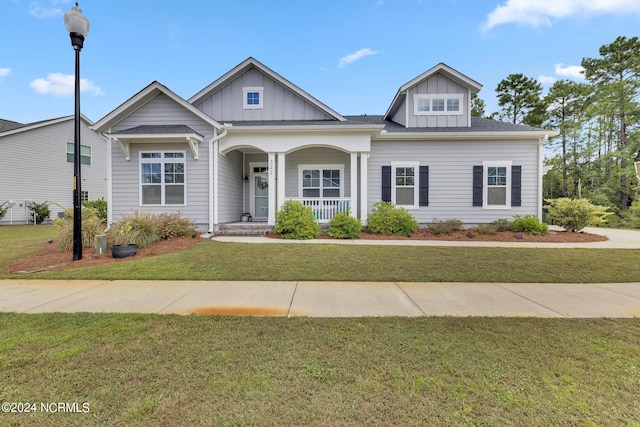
column 244, row 229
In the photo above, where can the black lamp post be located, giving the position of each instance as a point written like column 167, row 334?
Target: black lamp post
column 78, row 27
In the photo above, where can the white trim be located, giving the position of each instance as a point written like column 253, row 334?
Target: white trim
column 320, row 167
column 252, row 89
column 354, row 185
column 445, row 97
column 109, row 182
column 485, row 187
column 281, row 180
column 416, row 183
column 162, row 160
column 271, row 220
column 364, row 209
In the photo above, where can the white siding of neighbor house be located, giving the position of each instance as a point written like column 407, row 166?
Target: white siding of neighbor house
column 279, row 103
column 441, row 85
column 451, row 176
column 126, row 174
column 35, row 168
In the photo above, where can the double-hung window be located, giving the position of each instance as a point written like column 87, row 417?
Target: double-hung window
column 437, row 104
column 85, row 153
column 162, row 178
column 321, row 181
column 497, row 184
column 404, row 190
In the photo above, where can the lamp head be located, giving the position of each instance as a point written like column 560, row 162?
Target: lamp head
column 77, row 25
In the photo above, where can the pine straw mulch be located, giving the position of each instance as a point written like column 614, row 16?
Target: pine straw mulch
column 49, row 259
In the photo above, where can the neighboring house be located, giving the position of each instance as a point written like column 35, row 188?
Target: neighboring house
column 252, row 140
column 37, row 167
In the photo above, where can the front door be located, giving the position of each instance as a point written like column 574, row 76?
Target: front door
column 259, row 193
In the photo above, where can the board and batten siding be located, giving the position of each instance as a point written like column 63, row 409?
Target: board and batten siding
column 35, row 168
column 451, row 176
column 438, row 84
column 279, row 103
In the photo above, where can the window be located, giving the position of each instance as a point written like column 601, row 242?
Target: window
column 404, row 191
column 437, row 104
column 252, row 97
column 321, row 181
column 162, row 178
column 85, row 153
column 497, row 184
column 84, row 196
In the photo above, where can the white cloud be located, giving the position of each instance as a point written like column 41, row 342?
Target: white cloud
column 571, row 71
column 4, row 72
column 42, row 12
column 59, row 84
column 547, row 80
column 353, row 57
column 541, row 12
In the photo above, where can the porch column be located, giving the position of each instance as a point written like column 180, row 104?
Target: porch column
column 354, row 184
column 281, row 182
column 363, row 186
column 271, row 219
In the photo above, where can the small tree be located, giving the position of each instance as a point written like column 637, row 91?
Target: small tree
column 297, row 221
column 575, row 214
column 40, row 211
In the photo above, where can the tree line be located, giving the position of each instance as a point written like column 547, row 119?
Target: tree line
column 598, row 144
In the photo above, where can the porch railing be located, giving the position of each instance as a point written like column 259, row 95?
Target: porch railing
column 324, row 208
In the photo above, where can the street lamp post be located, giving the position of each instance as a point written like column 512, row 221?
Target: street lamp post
column 78, row 27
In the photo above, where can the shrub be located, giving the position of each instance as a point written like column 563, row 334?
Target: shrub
column 502, row 224
column 139, row 229
column 387, row 218
column 486, row 229
column 344, row 226
column 40, row 210
column 173, row 224
column 446, row 226
column 92, row 226
column 575, row 214
column 297, row 221
column 4, row 207
column 100, row 206
column 529, row 224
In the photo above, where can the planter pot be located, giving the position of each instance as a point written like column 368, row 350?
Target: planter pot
column 245, row 218
column 119, row 251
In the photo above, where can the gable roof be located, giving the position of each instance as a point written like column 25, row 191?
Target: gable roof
column 8, row 125
column 441, row 68
column 140, row 99
column 42, row 123
column 246, row 65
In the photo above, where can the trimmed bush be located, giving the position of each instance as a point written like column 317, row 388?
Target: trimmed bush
column 575, row 214
column 387, row 218
column 529, row 224
column 502, row 224
column 41, row 211
column 446, row 226
column 297, row 221
column 92, row 226
column 344, row 226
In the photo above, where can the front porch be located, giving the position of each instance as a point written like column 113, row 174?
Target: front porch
column 324, row 209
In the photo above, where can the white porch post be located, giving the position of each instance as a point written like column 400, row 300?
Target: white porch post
column 363, row 186
column 271, row 219
column 354, row 184
column 281, row 170
column 216, row 180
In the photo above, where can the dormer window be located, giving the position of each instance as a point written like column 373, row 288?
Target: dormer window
column 252, row 97
column 424, row 105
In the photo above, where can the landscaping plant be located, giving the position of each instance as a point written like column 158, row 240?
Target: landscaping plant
column 100, row 206
column 297, row 221
column 92, row 226
column 40, row 210
column 528, row 224
column 446, row 226
column 344, row 226
column 575, row 214
column 387, row 218
column 144, row 228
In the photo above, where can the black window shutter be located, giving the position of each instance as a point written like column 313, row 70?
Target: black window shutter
column 424, row 186
column 516, row 186
column 477, row 185
column 386, row 183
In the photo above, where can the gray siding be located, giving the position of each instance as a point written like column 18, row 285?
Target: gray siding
column 400, row 116
column 35, row 168
column 279, row 103
column 438, row 84
column 315, row 156
column 230, row 187
column 450, row 176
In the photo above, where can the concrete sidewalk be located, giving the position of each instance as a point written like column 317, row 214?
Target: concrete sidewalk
column 322, row 299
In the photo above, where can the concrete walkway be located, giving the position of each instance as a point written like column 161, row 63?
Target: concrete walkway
column 322, row 299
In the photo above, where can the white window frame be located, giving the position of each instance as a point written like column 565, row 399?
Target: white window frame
column 485, row 184
column 246, row 91
column 162, row 160
column 71, row 145
column 84, row 196
column 445, row 98
column 321, row 168
column 416, row 183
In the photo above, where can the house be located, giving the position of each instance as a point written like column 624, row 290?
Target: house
column 38, row 162
column 251, row 140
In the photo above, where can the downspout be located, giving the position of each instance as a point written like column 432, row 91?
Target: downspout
column 542, row 141
column 213, row 178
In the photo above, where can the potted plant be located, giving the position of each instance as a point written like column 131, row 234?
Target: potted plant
column 120, row 248
column 246, row 216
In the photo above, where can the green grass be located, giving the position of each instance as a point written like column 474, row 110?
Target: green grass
column 206, row 370
column 210, row 260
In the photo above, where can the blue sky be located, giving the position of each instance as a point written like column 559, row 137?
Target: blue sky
column 353, row 55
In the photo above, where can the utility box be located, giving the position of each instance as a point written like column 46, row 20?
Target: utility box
column 101, row 244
